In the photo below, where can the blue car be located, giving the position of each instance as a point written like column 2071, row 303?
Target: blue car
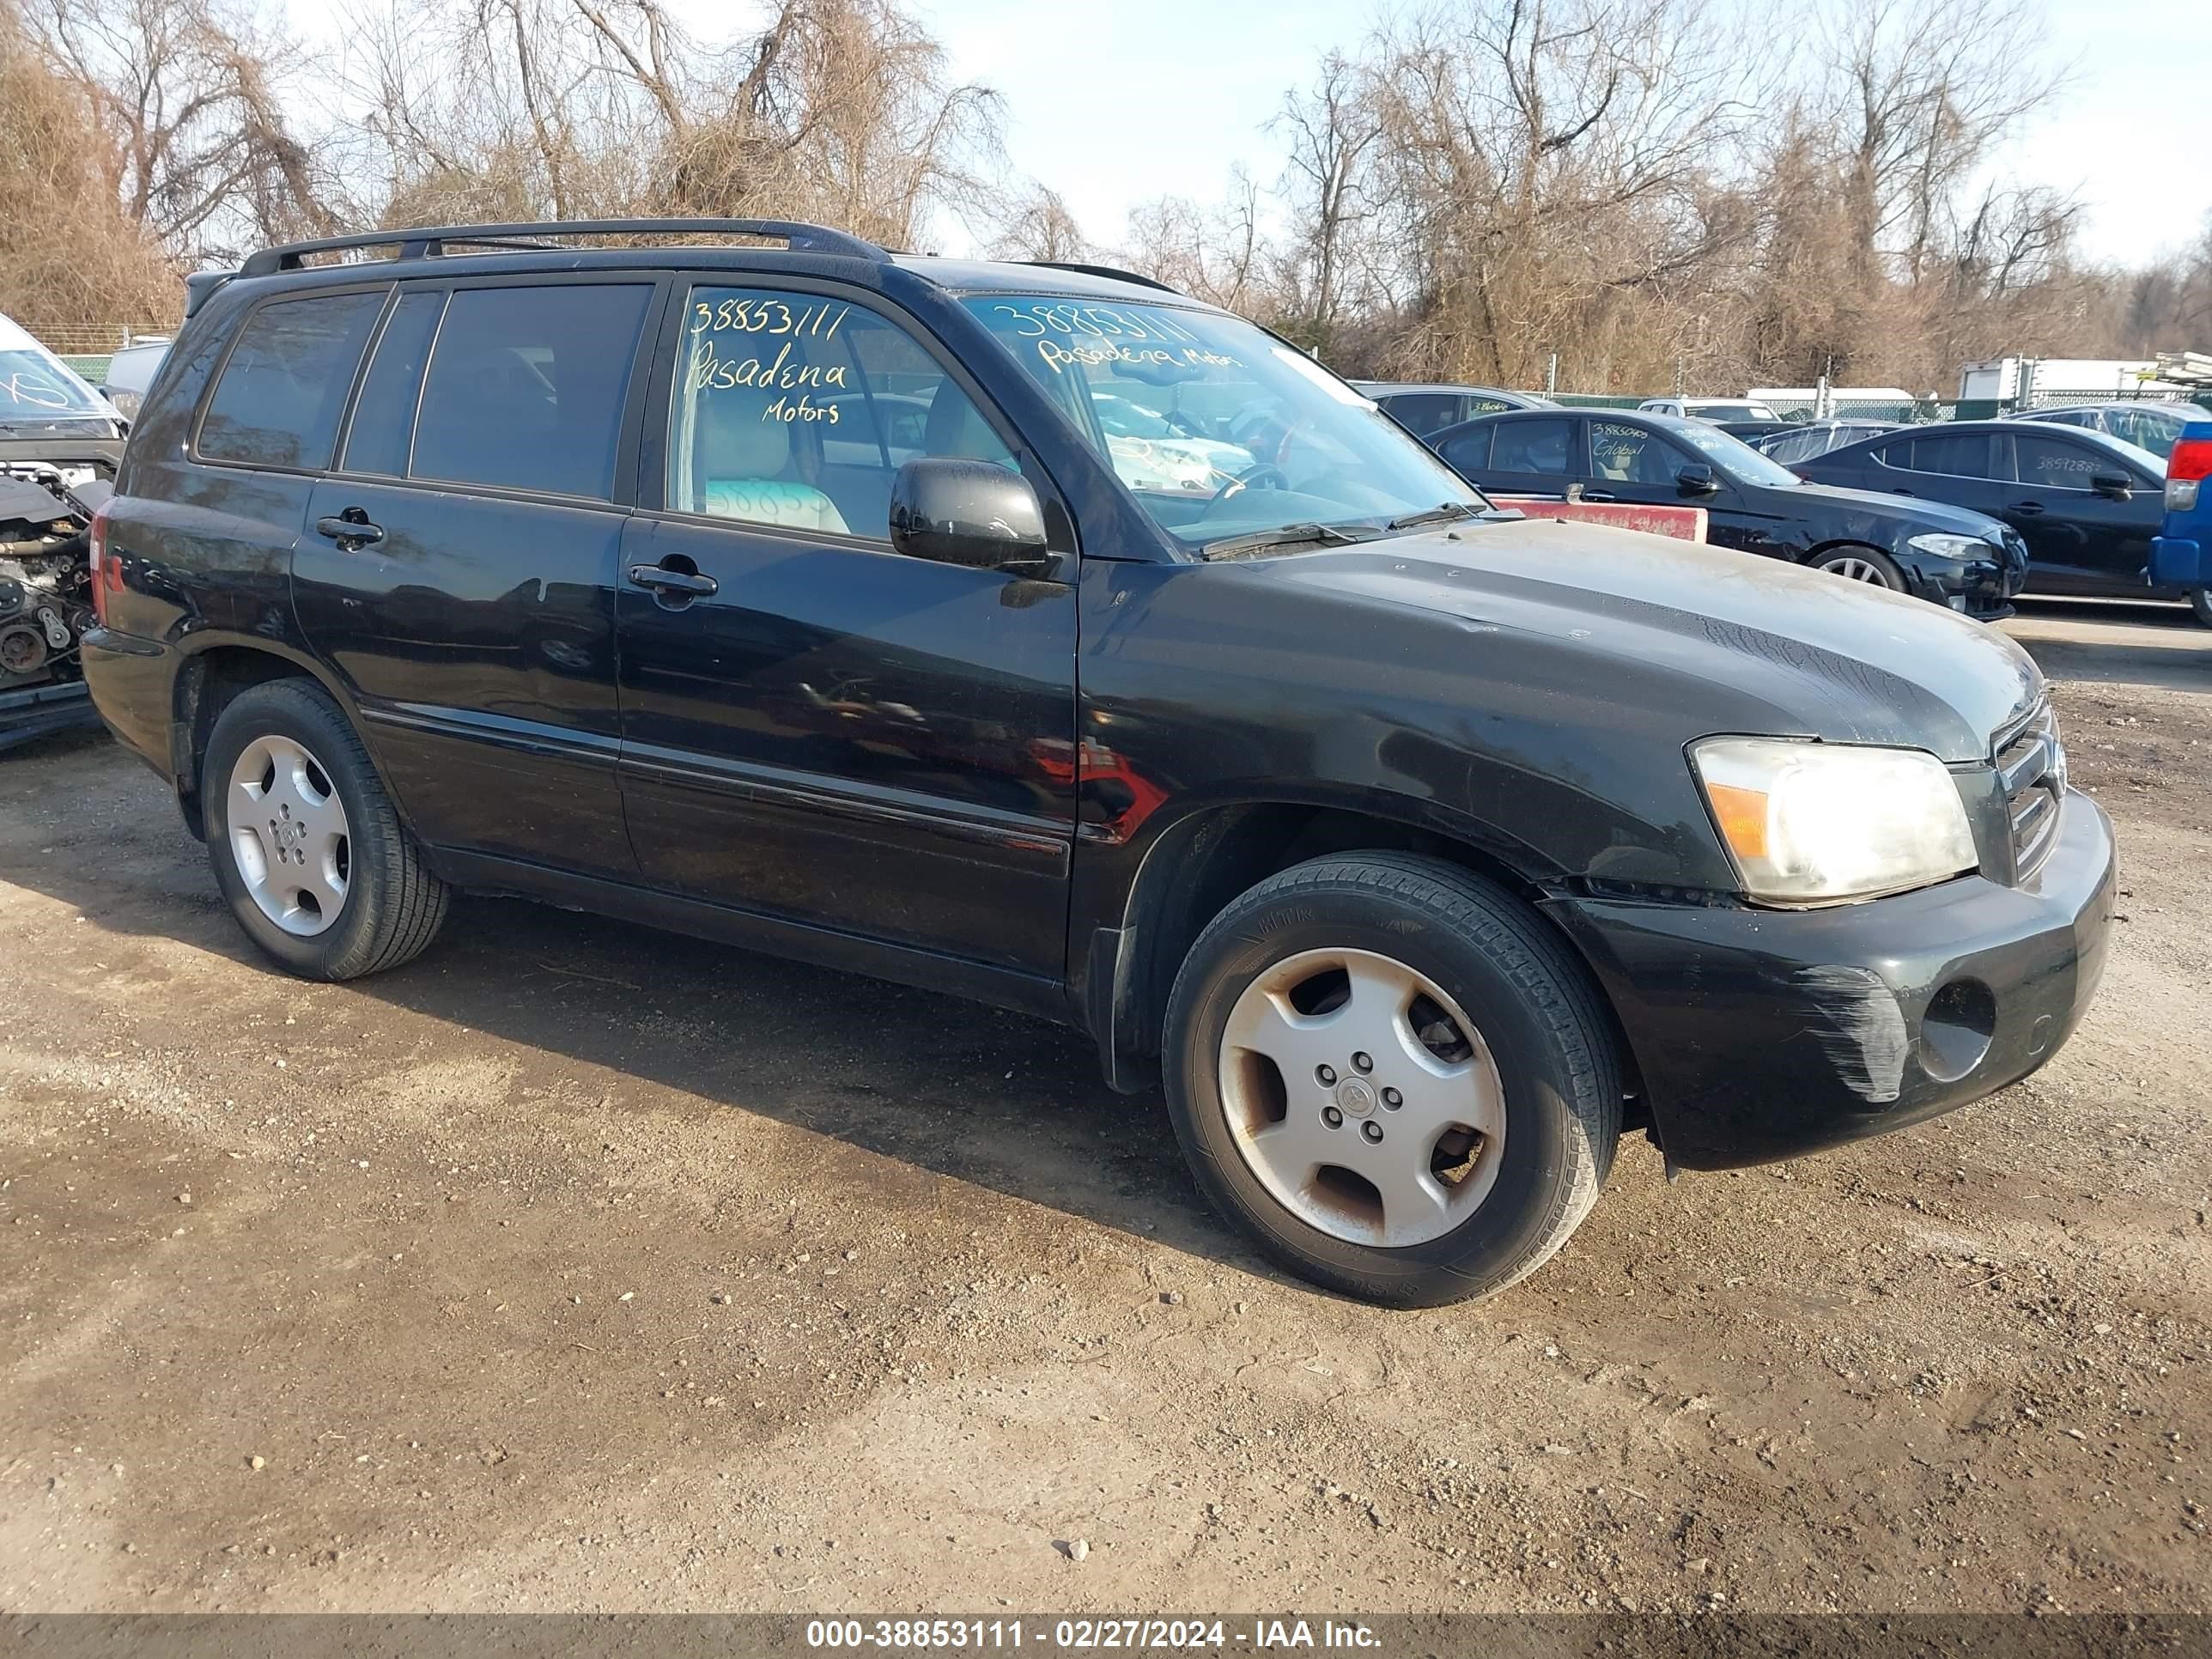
column 2181, row 553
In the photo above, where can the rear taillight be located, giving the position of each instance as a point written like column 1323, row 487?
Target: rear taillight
column 2191, row 462
column 106, row 576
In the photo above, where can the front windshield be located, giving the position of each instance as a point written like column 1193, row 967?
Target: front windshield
column 37, row 391
column 1734, row 456
column 1219, row 430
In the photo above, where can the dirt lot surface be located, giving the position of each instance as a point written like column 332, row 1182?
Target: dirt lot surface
column 579, row 1266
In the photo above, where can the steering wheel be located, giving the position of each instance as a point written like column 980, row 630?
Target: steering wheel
column 1263, row 477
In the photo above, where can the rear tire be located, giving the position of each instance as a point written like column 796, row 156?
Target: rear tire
column 1304, row 1146
column 306, row 847
column 1862, row 564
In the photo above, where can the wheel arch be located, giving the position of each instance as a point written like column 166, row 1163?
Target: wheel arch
column 214, row 670
column 1193, row 867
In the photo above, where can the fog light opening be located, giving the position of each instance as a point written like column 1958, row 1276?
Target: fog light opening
column 1955, row 1031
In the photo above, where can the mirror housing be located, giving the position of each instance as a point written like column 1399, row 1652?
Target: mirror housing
column 2118, row 485
column 976, row 513
column 1697, row 479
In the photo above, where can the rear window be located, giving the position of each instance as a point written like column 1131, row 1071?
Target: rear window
column 526, row 387
column 1960, row 455
column 285, row 382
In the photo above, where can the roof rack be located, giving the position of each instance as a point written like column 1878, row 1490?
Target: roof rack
column 427, row 241
column 1113, row 271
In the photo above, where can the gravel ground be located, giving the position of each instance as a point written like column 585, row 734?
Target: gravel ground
column 579, row 1266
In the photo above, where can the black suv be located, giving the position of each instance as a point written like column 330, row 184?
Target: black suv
column 798, row 597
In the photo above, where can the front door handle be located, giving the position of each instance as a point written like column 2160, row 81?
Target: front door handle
column 351, row 529
column 1599, row 495
column 671, row 580
column 2027, row 509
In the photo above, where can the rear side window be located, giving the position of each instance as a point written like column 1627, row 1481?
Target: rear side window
column 1960, row 455
column 285, row 383
column 1537, row 447
column 526, row 387
column 1468, row 452
column 384, row 414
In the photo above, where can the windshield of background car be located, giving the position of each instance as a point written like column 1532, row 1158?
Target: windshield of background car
column 1734, row 456
column 36, row 390
column 1734, row 412
column 1219, row 430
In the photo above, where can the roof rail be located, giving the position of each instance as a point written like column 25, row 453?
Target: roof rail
column 1114, row 271
column 429, row 239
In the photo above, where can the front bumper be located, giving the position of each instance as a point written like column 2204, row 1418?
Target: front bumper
column 1980, row 588
column 1763, row 1034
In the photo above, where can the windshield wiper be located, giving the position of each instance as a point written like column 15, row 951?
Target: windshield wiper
column 1289, row 535
column 1439, row 514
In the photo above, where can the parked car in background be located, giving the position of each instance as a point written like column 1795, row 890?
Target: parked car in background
column 2148, row 426
column 1791, row 444
column 41, row 397
column 60, row 443
column 1712, row 410
column 2086, row 504
column 1410, row 845
column 2181, row 553
column 1423, row 409
column 129, row 372
column 1965, row 561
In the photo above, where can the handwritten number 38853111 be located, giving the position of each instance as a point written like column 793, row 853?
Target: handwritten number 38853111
column 756, row 316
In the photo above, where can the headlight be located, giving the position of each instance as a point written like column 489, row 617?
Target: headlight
column 1956, row 547
column 1819, row 823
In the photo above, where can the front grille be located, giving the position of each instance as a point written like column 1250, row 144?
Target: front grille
column 2031, row 771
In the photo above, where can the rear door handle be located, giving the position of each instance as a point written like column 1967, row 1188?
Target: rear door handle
column 351, row 529
column 664, row 580
column 2027, row 509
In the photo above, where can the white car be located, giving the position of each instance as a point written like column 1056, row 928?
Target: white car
column 129, row 373
column 1715, row 410
column 41, row 397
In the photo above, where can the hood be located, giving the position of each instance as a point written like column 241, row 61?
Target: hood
column 1913, row 514
column 1744, row 643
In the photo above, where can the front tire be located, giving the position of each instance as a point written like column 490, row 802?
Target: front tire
column 306, row 847
column 2200, row 602
column 1862, row 564
column 1393, row 1076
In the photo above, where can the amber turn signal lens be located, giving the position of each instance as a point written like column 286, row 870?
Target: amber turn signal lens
column 1742, row 816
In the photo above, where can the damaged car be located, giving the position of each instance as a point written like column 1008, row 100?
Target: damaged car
column 60, row 444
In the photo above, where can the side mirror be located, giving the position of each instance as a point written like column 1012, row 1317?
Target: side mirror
column 1697, row 479
column 971, row 513
column 2118, row 485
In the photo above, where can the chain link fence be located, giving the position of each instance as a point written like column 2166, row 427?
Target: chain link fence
column 89, row 349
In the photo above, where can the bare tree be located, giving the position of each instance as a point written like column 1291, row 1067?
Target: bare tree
column 841, row 110
column 71, row 256
column 191, row 94
column 1039, row 225
column 1333, row 128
